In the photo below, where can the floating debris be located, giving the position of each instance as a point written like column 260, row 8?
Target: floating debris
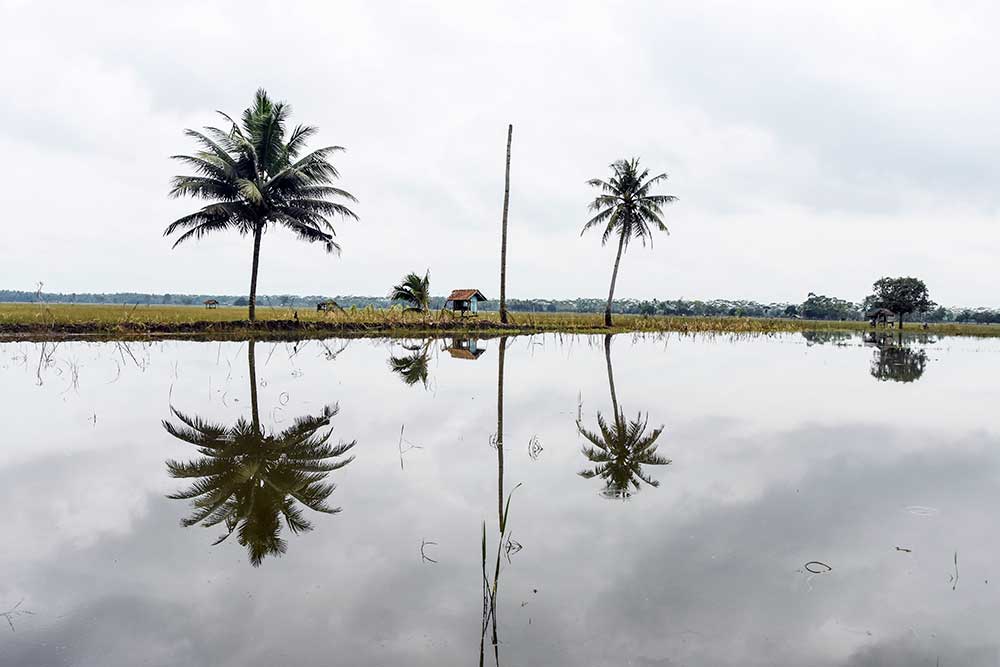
column 817, row 567
column 423, row 555
column 919, row 510
column 513, row 546
column 534, row 448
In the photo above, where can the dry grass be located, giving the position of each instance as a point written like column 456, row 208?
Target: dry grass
column 60, row 320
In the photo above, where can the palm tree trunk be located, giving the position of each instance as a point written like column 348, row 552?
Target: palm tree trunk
column 614, row 279
column 253, row 273
column 611, row 375
column 503, row 237
column 254, row 412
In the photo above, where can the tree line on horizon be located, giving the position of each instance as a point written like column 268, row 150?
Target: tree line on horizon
column 815, row 306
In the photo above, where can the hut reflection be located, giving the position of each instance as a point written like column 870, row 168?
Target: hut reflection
column 250, row 481
column 465, row 348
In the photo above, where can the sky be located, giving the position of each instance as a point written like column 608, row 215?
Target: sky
column 813, row 147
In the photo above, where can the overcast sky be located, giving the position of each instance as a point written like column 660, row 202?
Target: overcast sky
column 812, row 149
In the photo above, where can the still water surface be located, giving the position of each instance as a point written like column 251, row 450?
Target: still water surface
column 791, row 500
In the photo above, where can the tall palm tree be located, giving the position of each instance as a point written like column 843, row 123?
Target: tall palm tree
column 619, row 450
column 503, row 233
column 626, row 209
column 249, row 480
column 415, row 291
column 257, row 177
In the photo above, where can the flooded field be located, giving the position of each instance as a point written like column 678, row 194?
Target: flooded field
column 802, row 499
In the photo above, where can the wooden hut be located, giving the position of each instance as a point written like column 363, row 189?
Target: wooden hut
column 882, row 316
column 211, row 304
column 465, row 301
column 329, row 304
column 465, row 348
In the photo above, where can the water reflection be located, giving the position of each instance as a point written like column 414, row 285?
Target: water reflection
column 491, row 588
column 465, row 348
column 895, row 360
column 619, row 450
column 412, row 368
column 825, row 337
column 248, row 479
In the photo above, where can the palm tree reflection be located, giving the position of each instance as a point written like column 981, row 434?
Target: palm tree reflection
column 249, row 480
column 412, row 368
column 620, row 449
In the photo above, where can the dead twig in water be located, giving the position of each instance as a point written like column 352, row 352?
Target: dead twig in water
column 423, row 554
column 409, row 446
column 15, row 611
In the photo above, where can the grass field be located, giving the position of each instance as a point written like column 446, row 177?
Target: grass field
column 22, row 320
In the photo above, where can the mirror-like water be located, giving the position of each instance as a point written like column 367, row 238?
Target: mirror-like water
column 821, row 500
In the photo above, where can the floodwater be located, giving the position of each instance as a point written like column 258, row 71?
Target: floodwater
column 787, row 500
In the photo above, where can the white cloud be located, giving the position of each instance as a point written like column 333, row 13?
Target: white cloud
column 813, row 148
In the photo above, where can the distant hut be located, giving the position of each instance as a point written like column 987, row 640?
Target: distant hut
column 329, row 304
column 881, row 316
column 466, row 301
column 211, row 304
column 465, row 348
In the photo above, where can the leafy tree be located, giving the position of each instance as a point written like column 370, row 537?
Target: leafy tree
column 900, row 295
column 415, row 291
column 939, row 314
column 255, row 178
column 249, row 480
column 241, row 301
column 626, row 209
column 619, row 450
column 791, row 311
column 819, row 307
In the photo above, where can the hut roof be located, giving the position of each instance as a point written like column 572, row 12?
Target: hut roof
column 210, row 301
column 465, row 295
column 459, row 353
column 878, row 312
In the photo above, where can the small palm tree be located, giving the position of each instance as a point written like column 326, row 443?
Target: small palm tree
column 256, row 177
column 626, row 209
column 415, row 291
